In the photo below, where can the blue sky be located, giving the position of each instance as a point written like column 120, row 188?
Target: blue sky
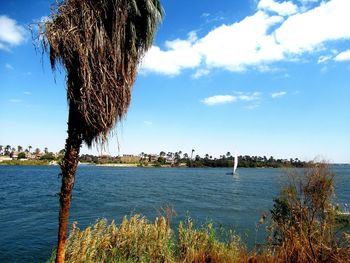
column 257, row 77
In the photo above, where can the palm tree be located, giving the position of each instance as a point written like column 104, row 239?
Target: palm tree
column 192, row 153
column 30, row 148
column 1, row 148
column 7, row 149
column 19, row 148
column 192, row 156
column 100, row 44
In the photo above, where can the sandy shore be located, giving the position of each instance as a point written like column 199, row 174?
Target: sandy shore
column 118, row 164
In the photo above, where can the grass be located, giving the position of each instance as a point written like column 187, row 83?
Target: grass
column 138, row 240
column 303, row 227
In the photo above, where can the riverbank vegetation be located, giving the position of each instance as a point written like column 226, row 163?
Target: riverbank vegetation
column 12, row 156
column 302, row 226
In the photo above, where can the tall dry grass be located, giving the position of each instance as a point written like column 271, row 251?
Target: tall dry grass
column 304, row 220
column 138, row 240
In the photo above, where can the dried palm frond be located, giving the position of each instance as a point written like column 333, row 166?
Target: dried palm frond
column 100, row 44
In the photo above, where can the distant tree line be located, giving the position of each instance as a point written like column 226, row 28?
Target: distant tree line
column 184, row 159
column 245, row 161
column 20, row 152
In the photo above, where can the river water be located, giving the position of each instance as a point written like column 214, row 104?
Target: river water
column 29, row 201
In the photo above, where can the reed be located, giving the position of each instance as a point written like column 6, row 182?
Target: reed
column 138, row 240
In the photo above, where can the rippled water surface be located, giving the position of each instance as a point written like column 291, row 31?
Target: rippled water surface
column 29, row 201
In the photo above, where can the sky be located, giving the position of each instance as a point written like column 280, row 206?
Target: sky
column 256, row 77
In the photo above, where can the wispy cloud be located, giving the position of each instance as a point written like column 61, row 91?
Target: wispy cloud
column 9, row 66
column 272, row 34
column 323, row 59
column 224, row 99
column 243, row 96
column 27, row 93
column 200, row 73
column 219, row 99
column 278, row 94
column 343, row 56
column 11, row 34
column 15, row 100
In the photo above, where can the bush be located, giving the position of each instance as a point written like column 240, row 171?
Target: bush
column 21, row 155
column 304, row 227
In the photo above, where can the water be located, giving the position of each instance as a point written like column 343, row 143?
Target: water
column 29, row 201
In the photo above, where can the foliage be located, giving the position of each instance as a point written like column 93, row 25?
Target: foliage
column 202, row 245
column 138, row 240
column 21, row 155
column 48, row 157
column 100, row 45
column 304, row 227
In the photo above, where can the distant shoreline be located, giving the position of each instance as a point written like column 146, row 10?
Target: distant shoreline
column 125, row 165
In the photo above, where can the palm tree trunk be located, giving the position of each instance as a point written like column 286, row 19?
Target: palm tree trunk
column 68, row 167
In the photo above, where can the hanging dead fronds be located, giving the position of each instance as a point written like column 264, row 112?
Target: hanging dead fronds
column 100, row 44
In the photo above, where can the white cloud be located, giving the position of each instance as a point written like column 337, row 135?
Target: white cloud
column 278, row 94
column 240, row 45
column 305, row 32
column 219, row 99
column 343, row 56
column 11, row 34
column 256, row 41
column 27, row 93
column 179, row 54
column 284, row 9
column 224, row 99
column 9, row 66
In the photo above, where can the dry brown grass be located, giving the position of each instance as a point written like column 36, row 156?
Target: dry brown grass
column 100, row 44
column 304, row 227
column 138, row 240
column 202, row 245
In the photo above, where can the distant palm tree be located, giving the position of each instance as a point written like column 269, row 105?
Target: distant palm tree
column 30, row 148
column 46, row 150
column 7, row 149
column 1, row 148
column 100, row 44
column 19, row 148
column 192, row 153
